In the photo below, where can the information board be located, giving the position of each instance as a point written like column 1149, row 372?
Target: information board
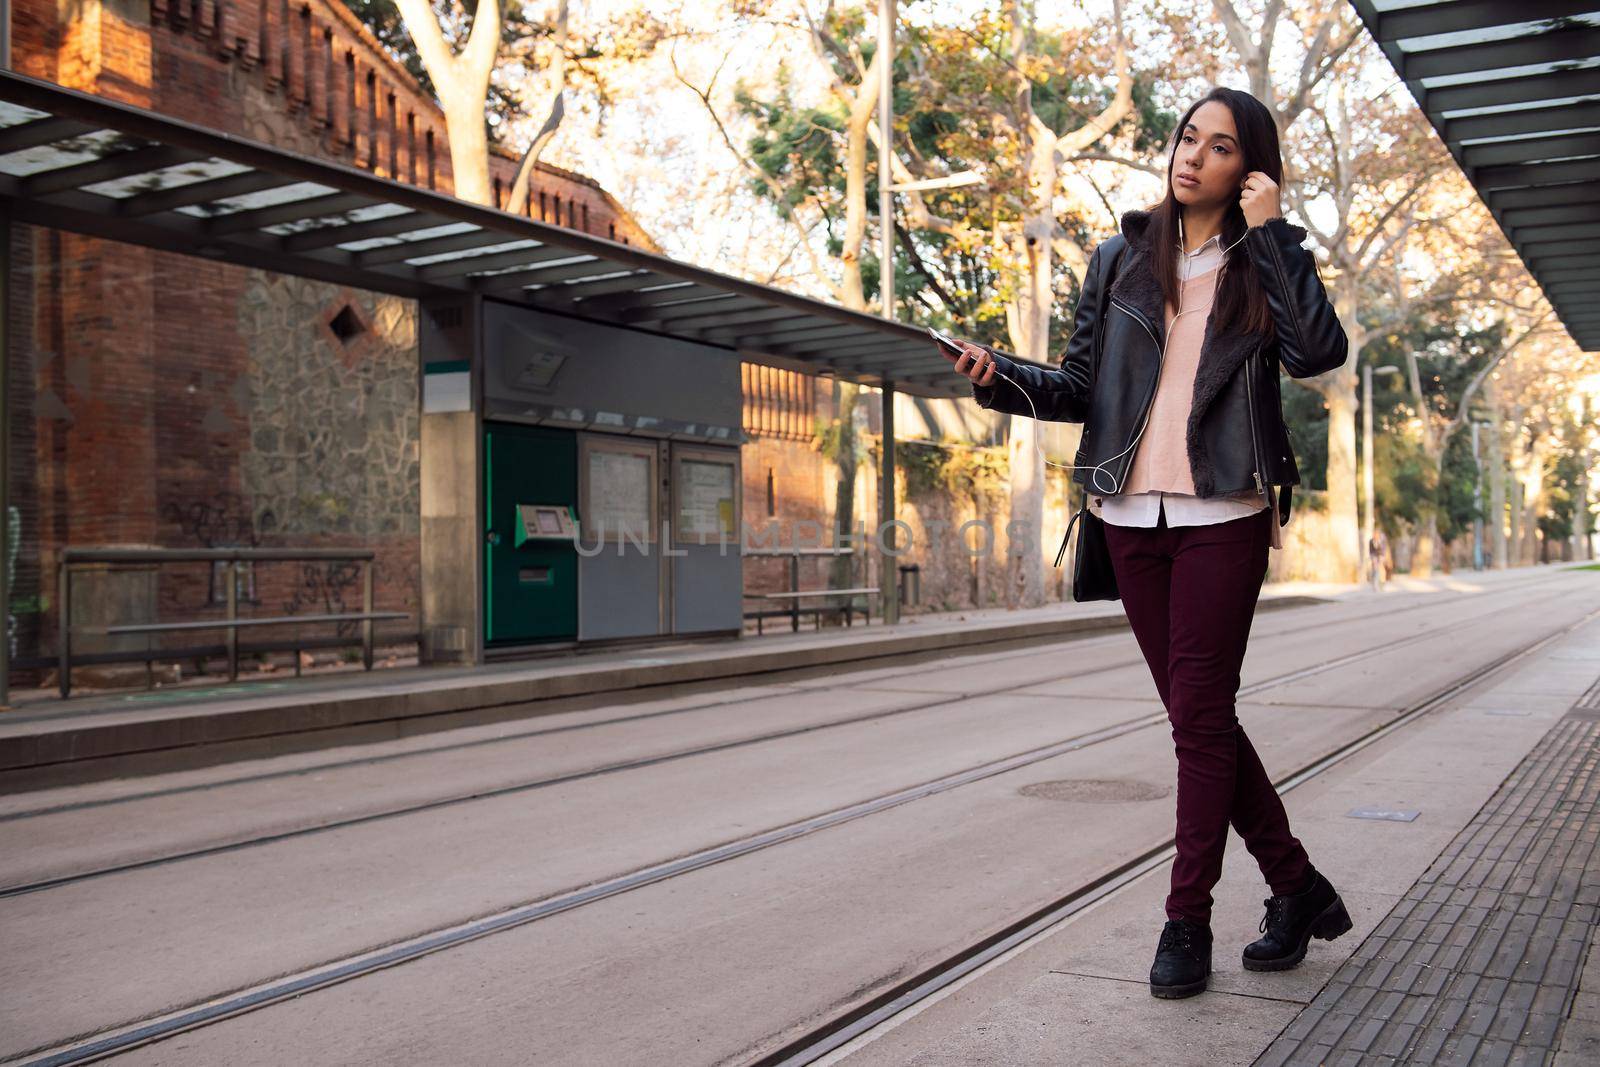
column 619, row 495
column 705, row 500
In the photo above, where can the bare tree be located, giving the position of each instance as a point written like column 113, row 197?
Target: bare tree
column 1373, row 193
column 1027, row 164
column 461, row 78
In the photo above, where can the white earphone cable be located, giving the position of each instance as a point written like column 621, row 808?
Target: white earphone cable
column 1097, row 468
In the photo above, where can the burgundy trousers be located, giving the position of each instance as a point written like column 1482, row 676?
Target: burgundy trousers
column 1190, row 593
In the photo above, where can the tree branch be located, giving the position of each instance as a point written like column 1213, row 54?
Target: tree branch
column 779, row 195
column 518, row 197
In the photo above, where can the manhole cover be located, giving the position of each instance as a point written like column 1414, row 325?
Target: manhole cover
column 1096, row 790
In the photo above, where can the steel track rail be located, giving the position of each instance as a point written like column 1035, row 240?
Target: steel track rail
column 913, row 991
column 1091, row 640
column 1141, row 722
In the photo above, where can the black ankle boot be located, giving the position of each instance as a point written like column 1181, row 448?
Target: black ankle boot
column 1183, row 960
column 1292, row 921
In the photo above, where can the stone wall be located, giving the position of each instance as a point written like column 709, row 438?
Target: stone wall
column 332, row 420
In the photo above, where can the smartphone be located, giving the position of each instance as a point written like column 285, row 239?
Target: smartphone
column 947, row 344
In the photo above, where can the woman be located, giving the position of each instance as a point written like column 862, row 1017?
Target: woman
column 1173, row 371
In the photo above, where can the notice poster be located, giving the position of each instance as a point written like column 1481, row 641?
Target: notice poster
column 705, row 501
column 619, row 495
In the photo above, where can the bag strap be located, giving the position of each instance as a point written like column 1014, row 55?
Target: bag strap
column 1068, row 535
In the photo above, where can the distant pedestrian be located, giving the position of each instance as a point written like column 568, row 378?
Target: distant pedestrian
column 1190, row 513
column 1378, row 558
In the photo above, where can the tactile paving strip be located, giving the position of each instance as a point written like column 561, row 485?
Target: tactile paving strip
column 1480, row 961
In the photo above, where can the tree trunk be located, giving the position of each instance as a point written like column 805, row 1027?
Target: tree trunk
column 1514, row 522
column 848, row 457
column 1338, row 391
column 1028, row 316
column 1580, row 519
column 855, row 184
column 469, row 145
column 1532, row 498
column 1496, row 519
column 461, row 79
column 1344, row 520
column 1422, row 559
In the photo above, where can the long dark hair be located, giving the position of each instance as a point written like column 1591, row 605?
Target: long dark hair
column 1240, row 301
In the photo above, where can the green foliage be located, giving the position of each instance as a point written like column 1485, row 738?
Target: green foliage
column 923, row 465
column 981, row 474
column 1454, row 499
column 1566, row 510
column 1403, row 480
column 1307, row 421
column 799, row 148
column 976, row 474
column 830, row 439
column 950, row 83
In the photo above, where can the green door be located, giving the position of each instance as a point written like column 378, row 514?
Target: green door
column 531, row 590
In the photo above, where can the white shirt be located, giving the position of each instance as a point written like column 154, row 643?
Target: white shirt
column 1182, row 509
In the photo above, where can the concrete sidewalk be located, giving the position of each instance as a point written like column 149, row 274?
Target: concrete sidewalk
column 1474, row 921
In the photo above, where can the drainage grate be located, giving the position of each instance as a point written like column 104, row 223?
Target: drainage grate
column 1096, row 790
column 1385, row 814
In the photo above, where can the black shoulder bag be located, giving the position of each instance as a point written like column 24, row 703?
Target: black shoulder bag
column 1092, row 575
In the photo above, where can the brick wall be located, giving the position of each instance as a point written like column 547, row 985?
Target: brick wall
column 180, row 402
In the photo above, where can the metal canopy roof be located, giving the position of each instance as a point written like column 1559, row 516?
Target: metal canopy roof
column 80, row 163
column 1514, row 90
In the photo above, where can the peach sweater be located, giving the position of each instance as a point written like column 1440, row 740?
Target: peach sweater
column 1161, row 460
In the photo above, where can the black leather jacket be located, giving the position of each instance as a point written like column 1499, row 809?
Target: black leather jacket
column 1108, row 373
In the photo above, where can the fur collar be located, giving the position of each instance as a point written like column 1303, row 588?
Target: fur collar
column 1222, row 350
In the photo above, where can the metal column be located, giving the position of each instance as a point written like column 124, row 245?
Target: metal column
column 889, row 576
column 6, row 548
column 886, row 17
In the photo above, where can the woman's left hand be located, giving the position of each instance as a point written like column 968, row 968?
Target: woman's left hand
column 1258, row 199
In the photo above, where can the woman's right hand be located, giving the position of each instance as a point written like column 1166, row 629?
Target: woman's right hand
column 974, row 362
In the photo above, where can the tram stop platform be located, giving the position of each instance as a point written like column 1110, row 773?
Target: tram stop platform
column 46, row 741
column 1473, row 882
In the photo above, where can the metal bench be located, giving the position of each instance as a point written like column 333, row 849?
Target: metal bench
column 847, row 608
column 232, row 623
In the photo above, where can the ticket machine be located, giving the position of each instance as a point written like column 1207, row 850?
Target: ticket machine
column 613, row 485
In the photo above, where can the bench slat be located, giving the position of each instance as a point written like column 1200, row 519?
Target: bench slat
column 817, row 592
column 215, row 624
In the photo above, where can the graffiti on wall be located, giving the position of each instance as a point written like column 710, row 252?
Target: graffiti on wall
column 325, row 586
column 223, row 521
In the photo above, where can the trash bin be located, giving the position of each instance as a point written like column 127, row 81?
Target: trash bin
column 910, row 583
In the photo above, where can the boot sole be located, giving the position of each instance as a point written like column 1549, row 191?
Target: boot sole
column 1178, row 992
column 1333, row 921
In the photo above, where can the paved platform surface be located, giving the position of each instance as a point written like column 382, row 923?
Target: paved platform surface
column 1480, row 961
column 1475, row 922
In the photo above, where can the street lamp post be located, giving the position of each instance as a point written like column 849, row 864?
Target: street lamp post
column 1367, row 523
column 886, row 17
column 888, row 574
